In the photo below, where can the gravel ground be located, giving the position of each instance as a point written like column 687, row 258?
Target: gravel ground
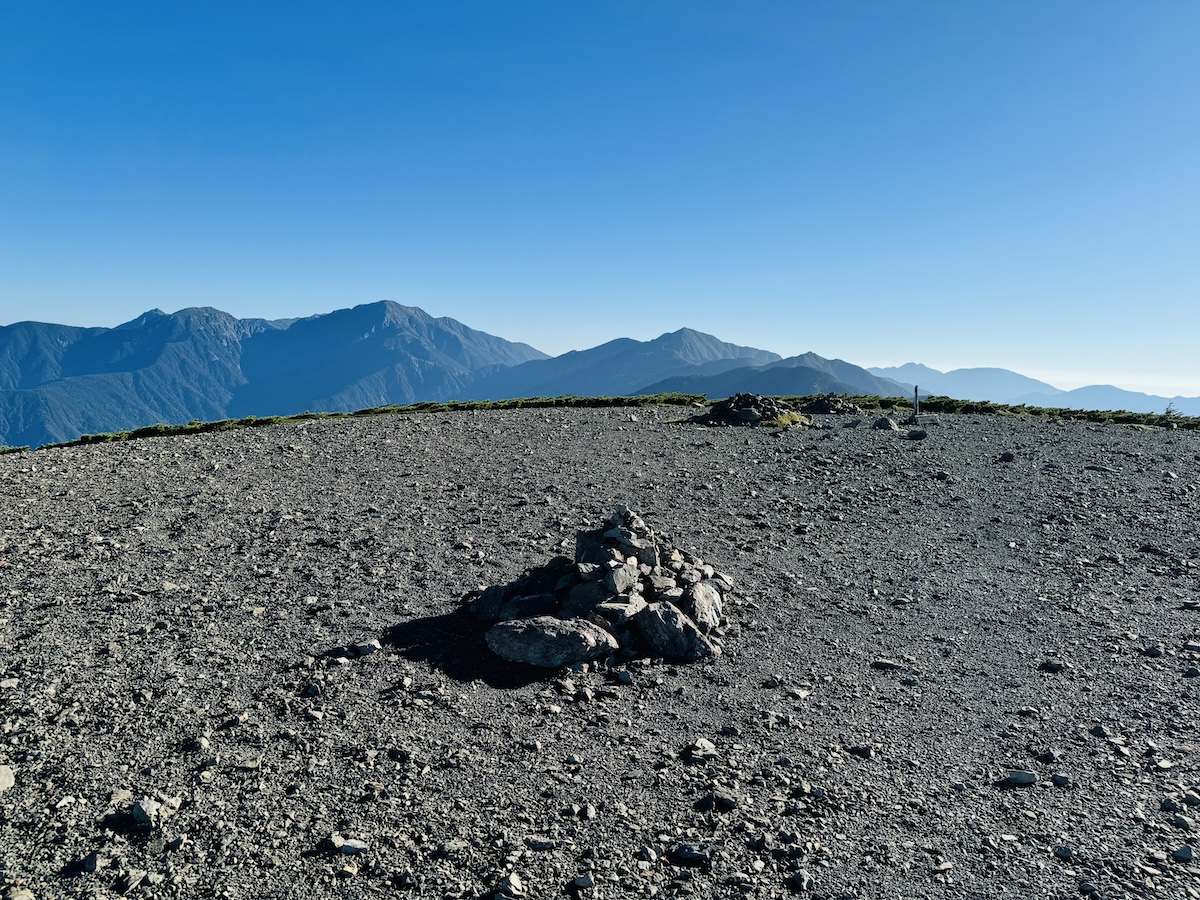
column 917, row 627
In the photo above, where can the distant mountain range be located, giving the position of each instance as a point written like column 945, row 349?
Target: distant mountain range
column 58, row 382
column 1003, row 386
column 997, row 385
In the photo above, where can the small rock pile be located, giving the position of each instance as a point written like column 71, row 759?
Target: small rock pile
column 745, row 409
column 831, row 404
column 626, row 594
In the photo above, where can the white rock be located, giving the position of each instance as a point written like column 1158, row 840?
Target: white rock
column 146, row 811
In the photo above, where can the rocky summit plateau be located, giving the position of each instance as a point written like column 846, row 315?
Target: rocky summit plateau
column 257, row 663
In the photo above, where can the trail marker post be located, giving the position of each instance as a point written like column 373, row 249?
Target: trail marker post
column 916, row 418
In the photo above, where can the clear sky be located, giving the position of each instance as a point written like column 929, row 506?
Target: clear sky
column 959, row 183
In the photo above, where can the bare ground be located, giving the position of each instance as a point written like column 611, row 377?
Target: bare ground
column 168, row 610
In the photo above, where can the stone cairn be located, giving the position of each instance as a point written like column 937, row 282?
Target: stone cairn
column 626, row 594
column 745, row 409
column 831, row 404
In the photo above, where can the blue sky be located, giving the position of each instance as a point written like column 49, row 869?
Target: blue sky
column 958, row 183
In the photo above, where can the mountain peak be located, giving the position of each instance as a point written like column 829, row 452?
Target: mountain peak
column 143, row 320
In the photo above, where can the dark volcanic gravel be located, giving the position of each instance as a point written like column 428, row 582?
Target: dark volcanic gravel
column 920, row 628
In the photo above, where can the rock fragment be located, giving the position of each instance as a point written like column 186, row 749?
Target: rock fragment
column 1019, row 778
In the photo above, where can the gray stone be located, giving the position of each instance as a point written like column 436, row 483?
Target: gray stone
column 367, row 648
column 692, row 855
column 512, row 885
column 583, row 597
column 701, row 750
column 660, row 583
column 885, row 423
column 1019, row 778
column 703, row 604
column 129, row 879
column 585, row 881
column 618, row 611
column 7, row 778
column 527, row 607
column 671, row 634
column 1182, row 854
column 146, row 811
column 590, row 571
column 801, row 881
column 488, row 604
column 549, row 642
column 622, row 580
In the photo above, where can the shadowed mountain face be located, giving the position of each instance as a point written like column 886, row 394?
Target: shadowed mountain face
column 370, row 355
column 58, row 382
column 158, row 368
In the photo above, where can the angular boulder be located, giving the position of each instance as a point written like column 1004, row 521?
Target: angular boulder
column 702, row 602
column 671, row 634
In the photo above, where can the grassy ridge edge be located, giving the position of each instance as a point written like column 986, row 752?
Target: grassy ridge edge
column 934, row 405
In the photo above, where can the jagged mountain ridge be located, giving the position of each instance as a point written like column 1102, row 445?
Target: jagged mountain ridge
column 370, row 355
column 61, row 382
column 58, row 381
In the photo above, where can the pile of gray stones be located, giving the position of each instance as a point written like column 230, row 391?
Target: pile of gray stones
column 626, row 594
column 745, row 409
column 831, row 404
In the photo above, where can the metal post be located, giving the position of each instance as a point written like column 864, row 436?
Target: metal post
column 916, row 401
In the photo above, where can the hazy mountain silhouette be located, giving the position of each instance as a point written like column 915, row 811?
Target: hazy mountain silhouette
column 1105, row 396
column 996, row 385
